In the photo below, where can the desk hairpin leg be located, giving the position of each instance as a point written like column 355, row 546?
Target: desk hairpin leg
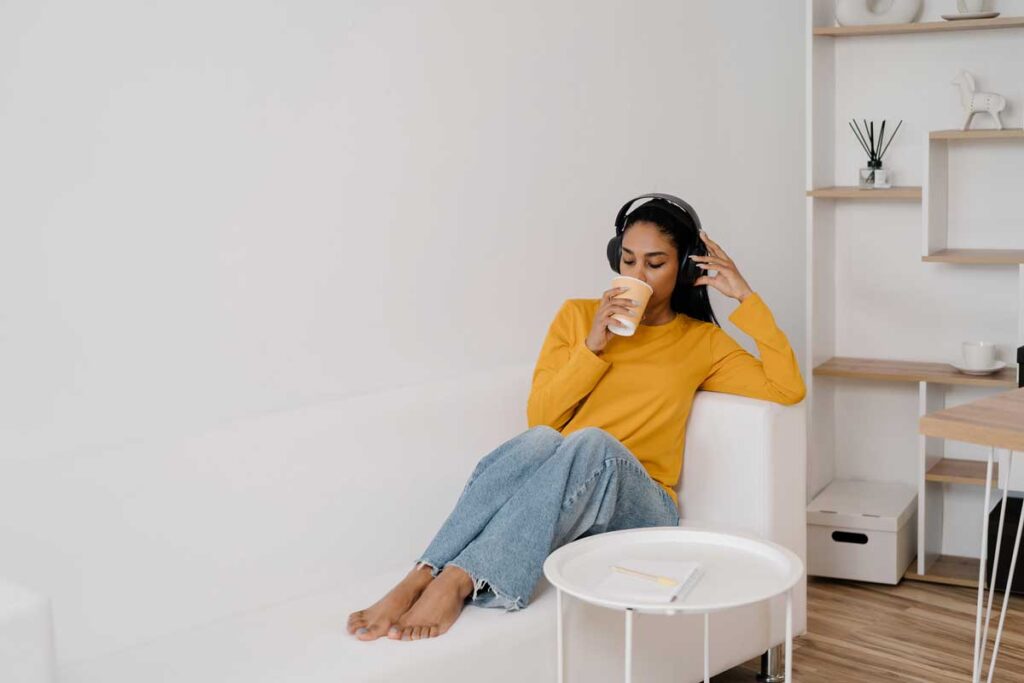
column 629, row 645
column 981, row 634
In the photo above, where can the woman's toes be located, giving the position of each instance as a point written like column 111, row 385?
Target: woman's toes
column 371, row 632
column 395, row 632
column 434, row 631
column 355, row 620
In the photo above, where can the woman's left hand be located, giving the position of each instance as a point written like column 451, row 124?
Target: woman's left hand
column 727, row 280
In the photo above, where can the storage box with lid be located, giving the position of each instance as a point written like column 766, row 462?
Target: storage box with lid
column 862, row 530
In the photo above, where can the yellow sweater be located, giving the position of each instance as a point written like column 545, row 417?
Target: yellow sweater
column 640, row 388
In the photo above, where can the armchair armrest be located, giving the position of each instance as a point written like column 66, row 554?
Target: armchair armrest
column 744, row 467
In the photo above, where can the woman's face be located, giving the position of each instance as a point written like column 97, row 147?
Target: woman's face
column 649, row 255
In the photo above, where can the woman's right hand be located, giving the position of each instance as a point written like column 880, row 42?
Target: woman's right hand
column 600, row 335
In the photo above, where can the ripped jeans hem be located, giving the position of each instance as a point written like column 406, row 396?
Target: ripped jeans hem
column 434, row 570
column 509, row 603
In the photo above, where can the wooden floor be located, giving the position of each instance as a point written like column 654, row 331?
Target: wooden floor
column 915, row 631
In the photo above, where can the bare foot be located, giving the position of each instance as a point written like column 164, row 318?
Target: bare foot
column 373, row 622
column 438, row 607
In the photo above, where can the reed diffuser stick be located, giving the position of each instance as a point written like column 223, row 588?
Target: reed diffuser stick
column 859, row 139
column 892, row 136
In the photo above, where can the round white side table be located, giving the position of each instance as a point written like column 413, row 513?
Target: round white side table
column 736, row 570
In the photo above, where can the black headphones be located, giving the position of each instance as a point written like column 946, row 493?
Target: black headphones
column 688, row 270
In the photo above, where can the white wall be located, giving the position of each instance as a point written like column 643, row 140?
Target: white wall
column 218, row 209
column 213, row 211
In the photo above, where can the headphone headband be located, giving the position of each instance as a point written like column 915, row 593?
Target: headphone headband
column 620, row 219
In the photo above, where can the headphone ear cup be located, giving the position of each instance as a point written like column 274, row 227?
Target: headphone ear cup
column 688, row 271
column 614, row 252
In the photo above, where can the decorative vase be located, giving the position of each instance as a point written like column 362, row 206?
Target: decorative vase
column 867, row 12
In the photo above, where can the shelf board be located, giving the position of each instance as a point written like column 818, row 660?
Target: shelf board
column 982, row 134
column 911, row 371
column 948, row 569
column 954, row 471
column 920, row 27
column 854, row 192
column 985, row 257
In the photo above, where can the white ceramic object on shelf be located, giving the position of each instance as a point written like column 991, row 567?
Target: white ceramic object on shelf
column 970, row 15
column 868, row 12
column 995, row 367
column 974, row 102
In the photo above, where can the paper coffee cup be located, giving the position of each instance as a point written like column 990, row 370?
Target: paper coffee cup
column 979, row 355
column 640, row 292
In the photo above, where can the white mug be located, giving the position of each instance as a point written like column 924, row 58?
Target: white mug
column 979, row 355
column 969, row 6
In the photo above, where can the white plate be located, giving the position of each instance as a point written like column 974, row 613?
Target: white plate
column 999, row 365
column 970, row 15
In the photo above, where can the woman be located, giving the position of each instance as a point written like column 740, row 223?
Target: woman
column 607, row 419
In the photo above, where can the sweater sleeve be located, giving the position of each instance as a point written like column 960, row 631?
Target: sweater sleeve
column 776, row 377
column 566, row 372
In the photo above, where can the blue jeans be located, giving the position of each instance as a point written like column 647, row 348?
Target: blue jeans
column 535, row 493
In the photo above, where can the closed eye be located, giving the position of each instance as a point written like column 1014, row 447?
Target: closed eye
column 650, row 265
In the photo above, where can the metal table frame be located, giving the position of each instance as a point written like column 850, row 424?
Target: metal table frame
column 707, row 647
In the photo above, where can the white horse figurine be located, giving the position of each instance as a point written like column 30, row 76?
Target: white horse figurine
column 975, row 102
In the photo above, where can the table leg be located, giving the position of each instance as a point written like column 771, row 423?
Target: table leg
column 978, row 645
column 998, row 551
column 789, row 636
column 561, row 652
column 1009, row 577
column 707, row 651
column 629, row 646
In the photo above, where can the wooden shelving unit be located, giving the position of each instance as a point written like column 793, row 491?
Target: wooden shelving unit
column 948, row 569
column 922, row 27
column 935, row 200
column 980, row 257
column 912, row 371
column 832, row 67
column 1005, row 134
column 854, row 192
column 953, row 471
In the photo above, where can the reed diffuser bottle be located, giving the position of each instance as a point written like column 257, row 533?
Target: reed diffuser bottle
column 873, row 176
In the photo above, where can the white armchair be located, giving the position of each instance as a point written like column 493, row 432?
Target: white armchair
column 237, row 555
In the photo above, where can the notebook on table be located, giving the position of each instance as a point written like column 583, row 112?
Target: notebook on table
column 628, row 587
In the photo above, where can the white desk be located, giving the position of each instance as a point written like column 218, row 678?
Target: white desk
column 996, row 422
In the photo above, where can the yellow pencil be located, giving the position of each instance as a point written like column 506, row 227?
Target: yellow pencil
column 663, row 580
